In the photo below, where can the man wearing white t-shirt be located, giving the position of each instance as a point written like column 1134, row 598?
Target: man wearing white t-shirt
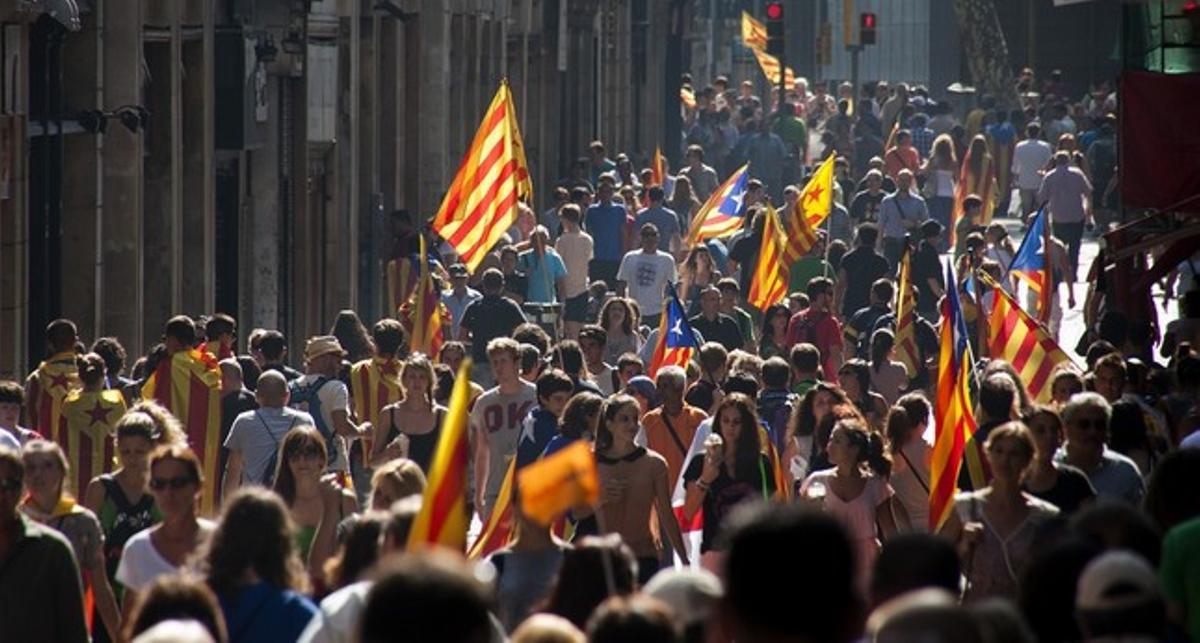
column 644, row 275
column 1030, row 157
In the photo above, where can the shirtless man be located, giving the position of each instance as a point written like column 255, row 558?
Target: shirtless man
column 633, row 484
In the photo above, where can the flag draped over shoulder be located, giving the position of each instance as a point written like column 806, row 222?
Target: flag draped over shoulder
column 188, row 384
column 1031, row 262
column 906, row 340
column 754, row 32
column 1018, row 339
column 49, row 385
column 811, row 210
column 374, row 383
column 443, row 516
column 676, row 341
column 89, row 420
column 770, row 68
column 425, row 311
column 770, row 281
column 481, row 203
column 722, row 213
column 559, row 482
column 952, row 411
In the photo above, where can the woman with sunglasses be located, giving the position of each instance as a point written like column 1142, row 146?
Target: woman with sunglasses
column 45, row 472
column 175, row 481
column 122, row 500
column 410, row 428
column 316, row 504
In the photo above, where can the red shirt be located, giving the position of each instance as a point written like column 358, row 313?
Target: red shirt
column 820, row 329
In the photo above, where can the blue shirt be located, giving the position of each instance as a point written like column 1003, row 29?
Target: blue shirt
column 261, row 613
column 606, row 223
column 457, row 306
column 664, row 219
column 541, row 275
column 899, row 213
column 537, row 430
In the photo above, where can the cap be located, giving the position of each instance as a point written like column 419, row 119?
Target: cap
column 692, row 594
column 458, row 270
column 322, row 345
column 1116, row 580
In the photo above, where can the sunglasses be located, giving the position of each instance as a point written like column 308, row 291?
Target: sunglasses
column 10, row 484
column 161, row 484
column 310, row 452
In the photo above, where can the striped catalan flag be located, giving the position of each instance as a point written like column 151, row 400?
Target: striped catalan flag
column 676, row 341
column 49, row 385
column 401, row 280
column 188, row 384
column 481, row 204
column 89, row 420
column 722, row 213
column 1020, row 340
column 981, row 183
column 374, row 383
column 810, row 211
column 906, row 340
column 425, row 311
column 770, row 68
column 443, row 516
column 498, row 525
column 658, row 169
column 952, row 411
column 770, row 281
column 1031, row 263
column 754, row 32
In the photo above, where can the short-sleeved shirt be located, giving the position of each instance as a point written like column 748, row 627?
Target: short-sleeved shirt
column 725, row 493
column 502, row 417
column 671, row 437
column 491, row 317
column 1063, row 190
column 722, row 330
column 1180, row 571
column 41, row 597
column 704, row 180
column 606, row 224
column 865, row 206
column 141, row 563
column 576, row 249
column 257, row 435
column 1117, row 477
column 1070, row 490
column 456, row 306
column 543, row 274
column 664, row 219
column 82, row 530
column 262, row 612
column 646, row 277
column 862, row 267
column 899, row 213
column 858, row 330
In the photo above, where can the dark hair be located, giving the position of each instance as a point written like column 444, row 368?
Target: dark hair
column 883, row 289
column 91, row 369
column 61, row 335
column 627, row 324
column 359, row 551
column 1048, row 585
column 272, row 345
column 219, row 324
column 352, row 334
column 176, row 597
column 254, row 534
column 742, row 382
column 570, row 358
column 11, row 392
column 772, row 311
column 612, row 405
column 553, row 381
column 389, row 337
column 805, row 357
column 869, row 445
column 250, row 371
column 817, row 286
column 804, row 421
column 913, row 561
column 577, row 414
column 581, row 586
column 1127, row 430
column 436, row 597
column 181, row 454
column 775, row 372
column 996, row 397
column 534, row 335
column 594, row 333
column 749, row 442
column 1178, row 470
column 112, row 352
column 1117, row 525
column 291, row 444
column 783, row 539
column 445, row 383
column 862, row 375
column 712, row 357
column 866, row 235
column 882, row 342
column 899, row 426
column 634, row 619
column 182, row 329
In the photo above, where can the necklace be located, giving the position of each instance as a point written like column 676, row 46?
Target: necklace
column 628, row 457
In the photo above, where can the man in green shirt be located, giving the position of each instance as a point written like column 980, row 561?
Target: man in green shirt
column 1180, row 575
column 810, row 266
column 731, row 294
column 793, row 131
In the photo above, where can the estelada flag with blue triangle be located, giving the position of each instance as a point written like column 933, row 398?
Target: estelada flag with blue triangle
column 1030, row 264
column 722, row 214
column 676, row 341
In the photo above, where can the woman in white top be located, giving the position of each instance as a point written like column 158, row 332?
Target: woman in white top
column 940, row 171
column 176, row 480
column 910, row 451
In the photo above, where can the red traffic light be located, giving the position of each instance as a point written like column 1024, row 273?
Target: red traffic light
column 867, row 20
column 774, row 11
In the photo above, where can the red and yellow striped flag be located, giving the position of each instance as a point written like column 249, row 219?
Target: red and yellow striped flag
column 952, row 411
column 374, row 383
column 906, row 340
column 425, row 312
column 188, row 384
column 754, row 32
column 658, row 169
column 498, row 525
column 770, row 68
column 770, row 281
column 401, row 281
column 443, row 516
column 481, row 204
column 810, row 211
column 1015, row 337
column 89, row 420
column 49, row 385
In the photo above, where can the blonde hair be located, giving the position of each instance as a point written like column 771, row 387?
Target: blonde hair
column 406, row 476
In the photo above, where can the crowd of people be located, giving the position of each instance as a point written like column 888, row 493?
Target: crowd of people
column 775, row 486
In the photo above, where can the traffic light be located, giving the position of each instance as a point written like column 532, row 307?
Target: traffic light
column 866, row 28
column 775, row 29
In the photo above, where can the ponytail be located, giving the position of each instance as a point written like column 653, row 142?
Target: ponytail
column 899, row 425
column 91, row 368
column 878, row 461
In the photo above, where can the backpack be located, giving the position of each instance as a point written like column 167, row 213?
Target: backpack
column 776, row 414
column 304, row 397
column 268, row 477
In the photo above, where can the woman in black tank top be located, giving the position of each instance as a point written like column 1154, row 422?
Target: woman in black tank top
column 416, row 417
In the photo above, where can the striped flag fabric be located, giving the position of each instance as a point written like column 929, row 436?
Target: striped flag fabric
column 443, row 516
column 906, row 340
column 401, row 280
column 952, row 411
column 188, row 384
column 722, row 213
column 89, row 420
column 658, row 170
column 754, row 32
column 1030, row 263
column 770, row 68
column 374, row 383
column 481, row 204
column 1015, row 337
column 49, row 385
column 770, row 281
column 425, row 311
column 676, row 340
column 498, row 524
column 810, row 211
column 981, row 183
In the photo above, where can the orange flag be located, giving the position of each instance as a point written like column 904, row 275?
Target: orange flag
column 554, row 484
column 188, row 384
column 443, row 516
